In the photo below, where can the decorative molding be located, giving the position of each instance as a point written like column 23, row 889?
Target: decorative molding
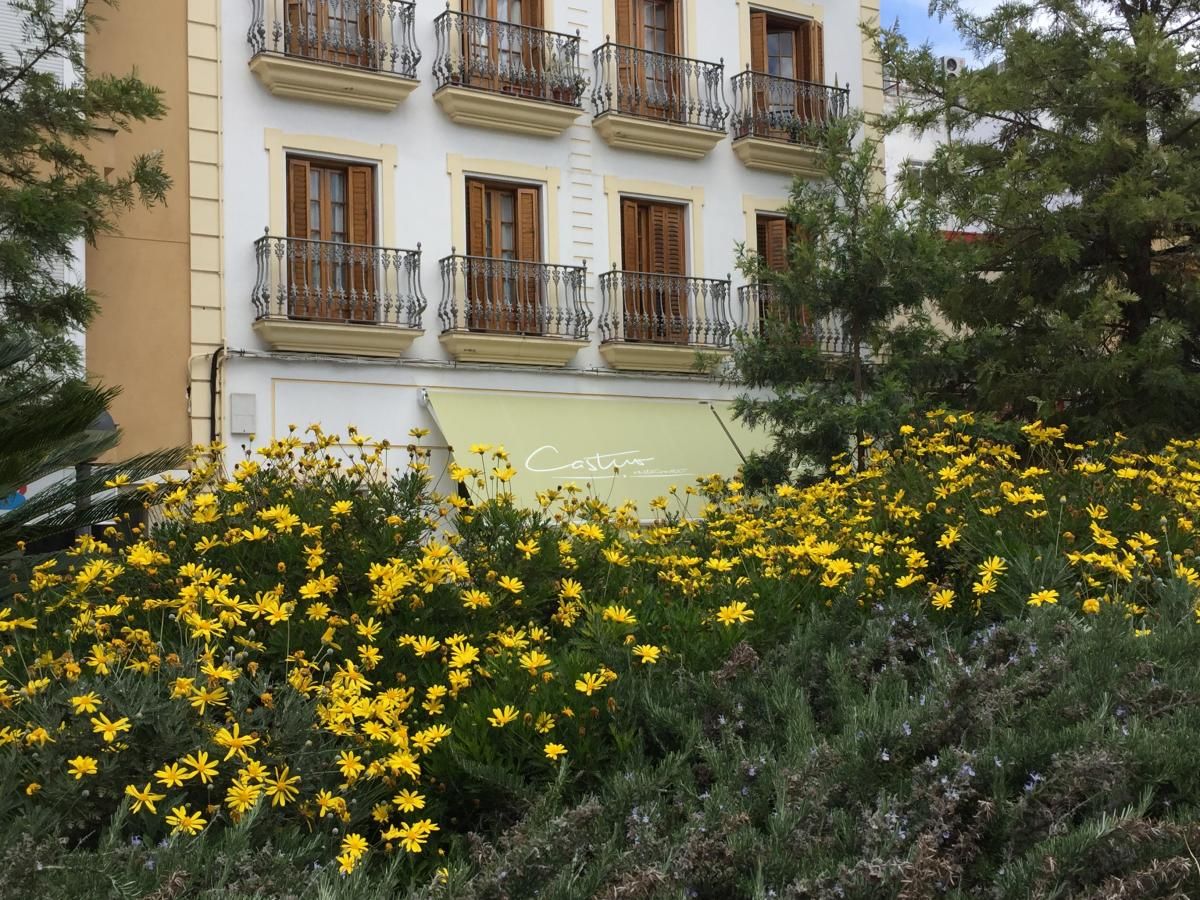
column 752, row 206
column 383, row 156
column 549, row 178
column 664, row 138
column 799, row 9
column 631, row 357
column 300, row 335
column 518, row 349
column 779, row 156
column 519, row 115
column 302, row 79
column 615, row 188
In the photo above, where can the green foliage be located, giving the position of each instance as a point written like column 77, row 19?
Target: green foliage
column 860, row 267
column 1074, row 145
column 51, row 194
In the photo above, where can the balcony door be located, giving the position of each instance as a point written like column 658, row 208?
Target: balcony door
column 331, row 232
column 775, row 235
column 792, row 53
column 501, row 52
column 333, row 31
column 504, row 285
column 650, row 83
column 654, row 259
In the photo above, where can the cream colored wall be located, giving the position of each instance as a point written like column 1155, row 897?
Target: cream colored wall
column 140, row 339
column 205, row 202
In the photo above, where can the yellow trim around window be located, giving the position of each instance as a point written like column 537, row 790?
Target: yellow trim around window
column 383, row 156
column 751, row 207
column 549, row 178
column 689, row 27
column 615, row 188
column 799, row 9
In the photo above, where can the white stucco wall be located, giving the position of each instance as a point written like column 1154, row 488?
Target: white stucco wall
column 383, row 397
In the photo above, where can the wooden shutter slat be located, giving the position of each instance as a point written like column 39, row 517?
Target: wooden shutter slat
column 631, row 257
column 529, row 251
column 675, row 263
column 476, row 218
column 476, row 286
column 360, row 195
column 776, row 247
column 626, row 22
column 298, row 228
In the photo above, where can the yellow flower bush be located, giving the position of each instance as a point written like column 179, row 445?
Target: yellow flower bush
column 326, row 642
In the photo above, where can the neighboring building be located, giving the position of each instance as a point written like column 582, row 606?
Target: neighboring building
column 512, row 223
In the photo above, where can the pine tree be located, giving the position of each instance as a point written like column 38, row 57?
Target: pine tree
column 1074, row 145
column 51, row 194
column 844, row 348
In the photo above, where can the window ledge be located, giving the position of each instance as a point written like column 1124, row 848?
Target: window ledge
column 519, row 349
column 779, row 156
column 649, row 136
column 333, row 337
column 632, row 357
column 521, row 115
column 305, row 79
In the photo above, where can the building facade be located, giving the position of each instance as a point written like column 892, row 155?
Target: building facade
column 502, row 220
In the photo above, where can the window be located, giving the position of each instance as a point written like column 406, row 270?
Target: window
column 652, row 78
column 335, row 31
column 331, row 231
column 775, row 235
column 504, row 243
column 500, row 52
column 792, row 53
column 654, row 260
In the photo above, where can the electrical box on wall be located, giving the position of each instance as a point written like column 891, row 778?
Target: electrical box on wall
column 242, row 414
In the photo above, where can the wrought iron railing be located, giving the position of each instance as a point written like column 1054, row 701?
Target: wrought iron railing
column 367, row 34
column 665, row 309
column 635, row 82
column 761, row 304
column 510, row 296
column 491, row 55
column 330, row 281
column 768, row 106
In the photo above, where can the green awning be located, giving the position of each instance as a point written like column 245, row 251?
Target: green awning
column 618, row 448
column 748, row 440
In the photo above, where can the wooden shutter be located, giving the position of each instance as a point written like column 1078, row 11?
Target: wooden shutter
column 816, row 72
column 529, row 251
column 529, row 237
column 296, row 36
column 360, row 212
column 626, row 23
column 631, row 257
column 476, row 218
column 474, row 271
column 758, row 42
column 297, row 250
column 775, row 249
column 674, row 262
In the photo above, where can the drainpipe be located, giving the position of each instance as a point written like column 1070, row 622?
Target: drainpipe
column 213, row 372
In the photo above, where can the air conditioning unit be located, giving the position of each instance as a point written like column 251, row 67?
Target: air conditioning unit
column 953, row 66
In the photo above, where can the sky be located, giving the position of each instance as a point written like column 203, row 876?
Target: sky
column 918, row 27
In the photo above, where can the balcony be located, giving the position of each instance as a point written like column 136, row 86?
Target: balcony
column 658, row 322
column 510, row 311
column 657, row 102
column 777, row 121
column 509, row 77
column 360, row 53
column 330, row 297
column 761, row 305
